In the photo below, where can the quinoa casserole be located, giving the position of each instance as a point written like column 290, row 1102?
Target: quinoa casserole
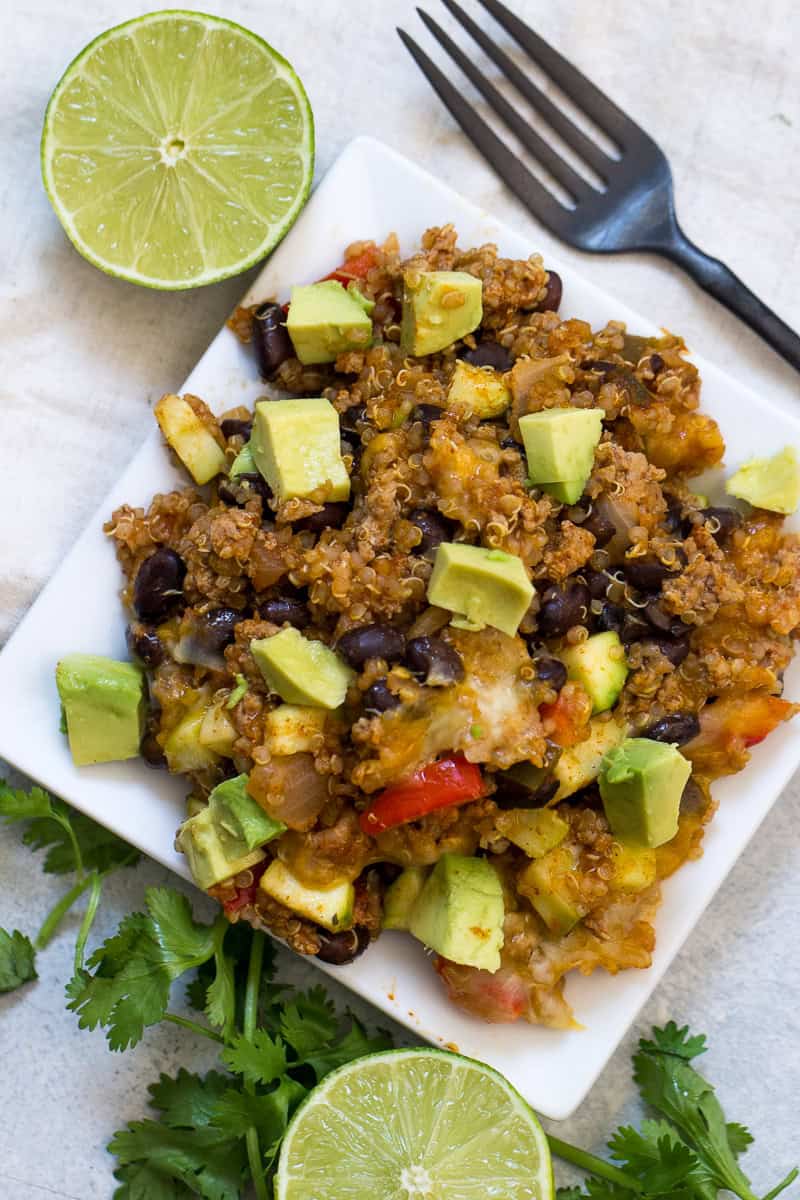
column 440, row 635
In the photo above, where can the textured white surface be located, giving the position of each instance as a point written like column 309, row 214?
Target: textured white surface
column 84, row 357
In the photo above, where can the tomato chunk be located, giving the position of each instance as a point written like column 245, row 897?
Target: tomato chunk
column 730, row 726
column 568, row 714
column 497, row 997
column 245, row 895
column 440, row 784
column 357, row 267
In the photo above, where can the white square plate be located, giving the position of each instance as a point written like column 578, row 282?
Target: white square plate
column 369, row 192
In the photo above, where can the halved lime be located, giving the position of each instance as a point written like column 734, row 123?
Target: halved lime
column 414, row 1125
column 177, row 149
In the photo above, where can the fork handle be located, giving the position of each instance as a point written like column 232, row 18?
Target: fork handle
column 721, row 283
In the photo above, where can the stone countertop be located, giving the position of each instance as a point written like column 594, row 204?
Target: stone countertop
column 83, row 358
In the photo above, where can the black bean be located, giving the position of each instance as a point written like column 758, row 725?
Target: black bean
column 152, row 753
column 610, row 619
column 678, row 727
column 646, row 574
column 435, row 661
column 234, row 428
column 427, row 413
column 255, row 482
column 663, row 621
column 351, row 417
column 674, row 649
column 552, row 296
column 433, row 526
column 600, row 527
column 215, row 628
column 490, row 354
column 551, row 670
column 377, row 698
column 387, row 872
column 371, row 641
column 271, row 339
column 144, row 643
column 513, row 793
column 563, row 607
column 331, row 516
column 656, row 363
column 634, row 628
column 724, row 521
column 341, row 948
column 674, row 519
column 158, row 587
column 596, row 581
column 285, row 610
column 510, row 443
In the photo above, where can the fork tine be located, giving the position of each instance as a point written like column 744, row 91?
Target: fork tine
column 581, row 90
column 583, row 146
column 513, row 172
column 545, row 153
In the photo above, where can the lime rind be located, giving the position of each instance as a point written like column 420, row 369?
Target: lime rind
column 187, row 198
column 419, row 1123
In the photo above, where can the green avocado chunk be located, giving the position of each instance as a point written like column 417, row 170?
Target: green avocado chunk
column 599, row 666
column 641, row 783
column 301, row 671
column 103, row 703
column 325, row 321
column 771, row 483
column 559, row 449
column 225, row 837
column 549, row 883
column 487, row 587
column 296, row 447
column 401, row 896
column 460, row 912
column 439, row 307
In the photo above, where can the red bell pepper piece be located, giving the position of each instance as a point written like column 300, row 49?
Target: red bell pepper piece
column 438, row 785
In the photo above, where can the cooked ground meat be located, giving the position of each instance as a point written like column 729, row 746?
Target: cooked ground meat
column 706, row 608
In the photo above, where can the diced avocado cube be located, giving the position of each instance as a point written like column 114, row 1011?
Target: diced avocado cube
column 184, row 750
column 244, row 463
column 297, row 448
column 559, row 448
column 599, row 666
column 241, row 821
column 293, row 728
column 401, row 896
column 332, row 907
column 487, row 587
column 325, row 321
column 477, row 390
column 217, row 731
column 578, row 766
column 302, row 671
column 641, row 783
column 634, row 867
column 209, row 861
column 771, row 483
column 439, row 307
column 103, row 704
column 549, row 883
column 534, row 830
column 355, row 292
column 460, row 912
column 194, row 444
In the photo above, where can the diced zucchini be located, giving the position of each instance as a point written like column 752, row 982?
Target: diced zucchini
column 332, row 907
column 478, row 390
column 634, row 867
column 599, row 666
column 534, row 830
column 184, row 749
column 579, row 765
column 292, row 728
column 217, row 731
column 194, row 444
column 244, row 463
column 401, row 896
column 549, row 883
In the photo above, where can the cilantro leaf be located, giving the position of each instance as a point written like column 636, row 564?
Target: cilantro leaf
column 672, row 1040
column 309, row 1022
column 355, row 1044
column 237, row 1110
column 19, row 805
column 220, row 1007
column 739, row 1137
column 17, row 960
column 569, row 1193
column 203, row 1159
column 53, row 825
column 655, row 1154
column 188, row 1101
column 261, row 1059
column 141, row 1182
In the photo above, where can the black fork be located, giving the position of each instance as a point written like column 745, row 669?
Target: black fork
column 636, row 209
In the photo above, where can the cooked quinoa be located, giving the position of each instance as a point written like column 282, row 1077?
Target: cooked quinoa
column 705, row 600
